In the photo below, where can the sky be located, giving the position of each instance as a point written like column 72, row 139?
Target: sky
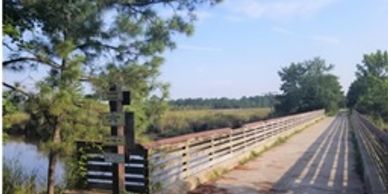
column 239, row 46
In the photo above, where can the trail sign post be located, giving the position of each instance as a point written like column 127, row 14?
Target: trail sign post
column 117, row 154
column 116, row 120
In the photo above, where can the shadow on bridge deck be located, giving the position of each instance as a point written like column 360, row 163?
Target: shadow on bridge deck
column 326, row 167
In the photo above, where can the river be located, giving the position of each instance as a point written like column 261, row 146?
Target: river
column 31, row 160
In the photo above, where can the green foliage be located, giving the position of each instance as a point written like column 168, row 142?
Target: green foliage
column 148, row 95
column 368, row 93
column 178, row 122
column 308, row 86
column 16, row 180
column 76, row 167
column 224, row 103
column 14, row 119
column 102, row 42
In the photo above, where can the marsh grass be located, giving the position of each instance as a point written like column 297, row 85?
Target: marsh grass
column 18, row 181
column 178, row 122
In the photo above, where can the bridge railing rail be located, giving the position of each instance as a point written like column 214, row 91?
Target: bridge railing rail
column 375, row 158
column 178, row 158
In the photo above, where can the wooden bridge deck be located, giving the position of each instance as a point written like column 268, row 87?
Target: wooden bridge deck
column 319, row 160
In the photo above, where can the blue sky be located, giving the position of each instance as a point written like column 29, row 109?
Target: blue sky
column 239, row 45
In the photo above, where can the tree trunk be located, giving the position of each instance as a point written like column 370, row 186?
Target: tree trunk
column 51, row 172
column 53, row 158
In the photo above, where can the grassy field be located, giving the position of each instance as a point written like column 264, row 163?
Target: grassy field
column 178, row 122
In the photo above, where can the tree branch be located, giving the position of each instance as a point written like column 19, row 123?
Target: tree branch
column 23, row 59
column 97, row 44
column 146, row 3
column 8, row 46
column 16, row 89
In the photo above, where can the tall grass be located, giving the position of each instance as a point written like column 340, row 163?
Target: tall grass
column 178, row 122
column 17, row 181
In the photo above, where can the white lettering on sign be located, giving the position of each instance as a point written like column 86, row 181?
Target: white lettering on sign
column 114, row 158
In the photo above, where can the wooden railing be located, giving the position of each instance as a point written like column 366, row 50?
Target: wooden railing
column 179, row 158
column 373, row 144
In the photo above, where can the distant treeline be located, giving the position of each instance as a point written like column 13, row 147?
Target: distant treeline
column 224, row 103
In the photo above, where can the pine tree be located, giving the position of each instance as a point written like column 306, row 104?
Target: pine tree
column 85, row 40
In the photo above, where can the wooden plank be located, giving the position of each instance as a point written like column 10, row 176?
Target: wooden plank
column 169, row 159
column 200, row 147
column 103, row 186
column 134, row 179
column 113, row 119
column 99, row 172
column 99, row 177
column 167, row 174
column 166, row 154
column 133, row 188
column 129, row 170
column 114, row 158
column 99, row 168
column 114, row 140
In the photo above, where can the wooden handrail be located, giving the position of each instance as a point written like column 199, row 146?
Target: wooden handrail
column 181, row 157
column 216, row 132
column 374, row 142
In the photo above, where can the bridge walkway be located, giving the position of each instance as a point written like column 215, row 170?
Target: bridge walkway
column 319, row 160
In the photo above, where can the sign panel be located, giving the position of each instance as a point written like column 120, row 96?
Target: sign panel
column 114, row 119
column 114, row 140
column 114, row 96
column 114, row 158
column 123, row 96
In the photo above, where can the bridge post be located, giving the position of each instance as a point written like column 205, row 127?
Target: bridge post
column 275, row 128
column 230, row 142
column 212, row 149
column 118, row 174
column 268, row 131
column 186, row 159
column 245, row 137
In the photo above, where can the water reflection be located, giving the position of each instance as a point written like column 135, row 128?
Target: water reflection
column 31, row 160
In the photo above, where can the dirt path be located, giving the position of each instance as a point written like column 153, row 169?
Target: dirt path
column 319, row 160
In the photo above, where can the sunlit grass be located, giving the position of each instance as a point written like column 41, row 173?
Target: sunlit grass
column 177, row 122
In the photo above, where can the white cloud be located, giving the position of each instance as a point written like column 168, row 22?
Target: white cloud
column 282, row 30
column 200, row 15
column 276, row 9
column 199, row 48
column 203, row 15
column 325, row 39
column 233, row 18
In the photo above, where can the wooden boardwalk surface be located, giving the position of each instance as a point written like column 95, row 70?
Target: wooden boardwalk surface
column 319, row 160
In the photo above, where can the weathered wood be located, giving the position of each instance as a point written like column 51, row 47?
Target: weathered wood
column 374, row 154
column 129, row 130
column 100, row 175
column 179, row 158
column 118, row 172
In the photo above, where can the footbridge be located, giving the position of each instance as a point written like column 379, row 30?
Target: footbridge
column 295, row 154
